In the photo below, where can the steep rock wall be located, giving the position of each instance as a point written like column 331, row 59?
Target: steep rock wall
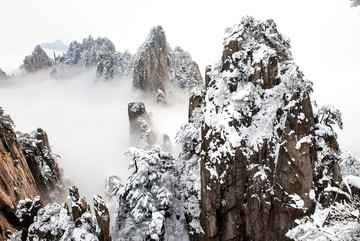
column 258, row 146
column 24, row 173
column 151, row 63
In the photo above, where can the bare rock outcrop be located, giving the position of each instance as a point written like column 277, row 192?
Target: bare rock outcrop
column 28, row 169
column 78, row 205
column 37, row 60
column 151, row 72
column 156, row 65
column 141, row 130
column 16, row 180
column 103, row 218
column 261, row 162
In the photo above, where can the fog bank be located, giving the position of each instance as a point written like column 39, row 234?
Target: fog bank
column 86, row 121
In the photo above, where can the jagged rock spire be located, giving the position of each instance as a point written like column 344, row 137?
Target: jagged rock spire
column 258, row 152
column 151, row 63
column 37, row 60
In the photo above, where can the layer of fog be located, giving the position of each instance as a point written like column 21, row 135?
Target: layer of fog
column 86, row 121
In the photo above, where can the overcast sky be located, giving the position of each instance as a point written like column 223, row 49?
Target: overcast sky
column 325, row 36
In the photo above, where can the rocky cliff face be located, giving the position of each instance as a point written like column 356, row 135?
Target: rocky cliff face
column 156, row 65
column 259, row 144
column 151, row 63
column 28, row 170
column 17, row 182
column 43, row 164
column 37, row 60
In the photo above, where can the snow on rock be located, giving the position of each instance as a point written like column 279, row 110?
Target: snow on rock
column 349, row 164
column 258, row 139
column 43, row 164
column 183, row 71
column 102, row 217
column 56, row 222
column 141, row 128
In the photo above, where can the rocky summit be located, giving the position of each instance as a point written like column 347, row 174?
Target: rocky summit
column 151, row 63
column 37, row 60
column 259, row 147
column 156, row 66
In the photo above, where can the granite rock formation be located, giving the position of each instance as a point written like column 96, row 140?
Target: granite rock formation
column 79, row 206
column 156, row 66
column 103, row 218
column 17, row 182
column 43, row 164
column 141, row 130
column 28, row 170
column 151, row 72
column 38, row 60
column 263, row 161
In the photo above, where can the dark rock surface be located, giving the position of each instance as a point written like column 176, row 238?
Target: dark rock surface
column 16, row 180
column 151, row 63
column 78, row 205
column 259, row 154
column 103, row 218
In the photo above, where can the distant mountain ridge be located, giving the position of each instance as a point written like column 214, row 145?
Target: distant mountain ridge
column 176, row 65
column 56, row 45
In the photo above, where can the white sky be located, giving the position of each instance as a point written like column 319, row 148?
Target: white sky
column 325, row 36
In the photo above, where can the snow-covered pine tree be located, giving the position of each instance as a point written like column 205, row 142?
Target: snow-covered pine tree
column 148, row 202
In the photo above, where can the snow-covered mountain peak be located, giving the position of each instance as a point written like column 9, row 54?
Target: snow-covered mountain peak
column 252, row 35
